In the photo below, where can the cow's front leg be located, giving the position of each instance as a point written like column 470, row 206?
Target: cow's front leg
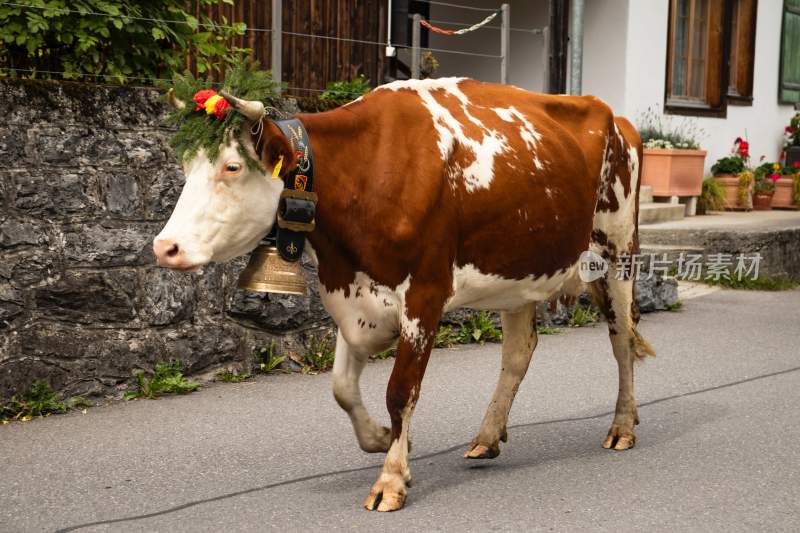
column 413, row 350
column 347, row 367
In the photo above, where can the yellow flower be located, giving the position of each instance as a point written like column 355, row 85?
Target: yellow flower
column 210, row 103
column 776, row 166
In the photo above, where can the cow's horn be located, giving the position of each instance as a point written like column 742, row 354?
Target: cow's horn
column 174, row 101
column 252, row 109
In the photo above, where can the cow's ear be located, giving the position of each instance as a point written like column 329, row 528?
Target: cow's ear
column 275, row 146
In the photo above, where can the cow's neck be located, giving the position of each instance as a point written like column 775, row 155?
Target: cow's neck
column 341, row 145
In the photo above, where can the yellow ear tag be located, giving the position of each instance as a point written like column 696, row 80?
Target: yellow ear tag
column 277, row 170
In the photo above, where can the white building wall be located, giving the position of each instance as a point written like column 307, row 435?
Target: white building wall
column 645, row 59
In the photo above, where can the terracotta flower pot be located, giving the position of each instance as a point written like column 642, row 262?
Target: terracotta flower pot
column 762, row 200
column 784, row 198
column 730, row 183
column 673, row 172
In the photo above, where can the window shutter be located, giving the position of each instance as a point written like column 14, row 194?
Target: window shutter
column 790, row 53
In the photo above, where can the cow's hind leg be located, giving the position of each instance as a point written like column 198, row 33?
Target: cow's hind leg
column 347, row 367
column 519, row 341
column 615, row 298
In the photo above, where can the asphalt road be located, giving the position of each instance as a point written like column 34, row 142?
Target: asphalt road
column 718, row 447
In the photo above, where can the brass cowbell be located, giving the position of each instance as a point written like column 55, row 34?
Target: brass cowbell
column 267, row 271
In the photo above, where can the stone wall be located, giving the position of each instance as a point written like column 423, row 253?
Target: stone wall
column 88, row 181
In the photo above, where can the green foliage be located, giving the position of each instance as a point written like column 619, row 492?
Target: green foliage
column 40, row 400
column 268, row 360
column 341, row 92
column 167, row 378
column 583, row 316
column 386, row 354
column 547, row 330
column 319, row 355
column 118, row 46
column 758, row 284
column 479, row 328
column 675, row 306
column 445, row 337
column 79, row 402
column 712, row 197
column 197, row 130
column 729, row 165
column 762, row 181
column 658, row 131
column 792, row 132
column 229, row 377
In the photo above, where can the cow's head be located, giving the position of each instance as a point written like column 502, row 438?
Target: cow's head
column 227, row 205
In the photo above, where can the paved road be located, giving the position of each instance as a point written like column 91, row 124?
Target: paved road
column 718, row 444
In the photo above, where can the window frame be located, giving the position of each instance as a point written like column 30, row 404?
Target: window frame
column 716, row 102
column 735, row 98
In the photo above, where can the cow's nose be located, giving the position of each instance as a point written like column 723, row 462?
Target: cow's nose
column 167, row 252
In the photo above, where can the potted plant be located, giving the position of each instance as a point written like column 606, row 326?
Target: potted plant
column 712, row 198
column 764, row 178
column 673, row 162
column 791, row 145
column 731, row 174
column 785, row 187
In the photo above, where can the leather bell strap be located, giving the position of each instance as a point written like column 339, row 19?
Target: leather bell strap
column 297, row 205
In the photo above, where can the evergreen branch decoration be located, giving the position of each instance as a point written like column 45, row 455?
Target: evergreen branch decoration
column 200, row 131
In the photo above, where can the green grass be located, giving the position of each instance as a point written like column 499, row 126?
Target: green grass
column 386, row 354
column 759, row 284
column 319, row 355
column 583, row 316
column 445, row 337
column 479, row 328
column 40, row 401
column 79, row 402
column 229, row 377
column 268, row 359
column 675, row 306
column 167, row 378
column 547, row 330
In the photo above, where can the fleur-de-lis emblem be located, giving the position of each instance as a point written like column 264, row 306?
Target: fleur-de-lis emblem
column 291, row 248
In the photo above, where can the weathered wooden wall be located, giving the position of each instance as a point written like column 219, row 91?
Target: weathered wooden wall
column 310, row 63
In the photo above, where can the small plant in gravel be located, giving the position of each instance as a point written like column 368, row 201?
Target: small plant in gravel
column 547, row 330
column 319, row 355
column 583, row 316
column 268, row 360
column 167, row 378
column 79, row 402
column 40, row 400
column 479, row 328
column 675, row 306
column 445, row 337
column 227, row 376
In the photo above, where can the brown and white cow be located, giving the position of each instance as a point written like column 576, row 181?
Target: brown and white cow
column 437, row 194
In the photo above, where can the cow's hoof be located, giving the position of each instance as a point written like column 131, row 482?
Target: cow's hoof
column 482, row 451
column 619, row 439
column 378, row 442
column 384, row 502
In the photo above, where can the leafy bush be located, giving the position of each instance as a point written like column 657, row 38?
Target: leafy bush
column 728, row 165
column 712, row 197
column 117, row 45
column 167, row 379
column 658, row 131
column 341, row 92
column 38, row 401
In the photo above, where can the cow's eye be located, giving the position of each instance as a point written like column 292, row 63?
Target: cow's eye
column 233, row 167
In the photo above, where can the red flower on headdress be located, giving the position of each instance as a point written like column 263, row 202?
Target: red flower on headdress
column 200, row 97
column 221, row 108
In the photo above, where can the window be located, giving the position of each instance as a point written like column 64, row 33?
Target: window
column 790, row 58
column 742, row 52
column 710, row 55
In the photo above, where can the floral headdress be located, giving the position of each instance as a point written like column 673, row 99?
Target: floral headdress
column 212, row 122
